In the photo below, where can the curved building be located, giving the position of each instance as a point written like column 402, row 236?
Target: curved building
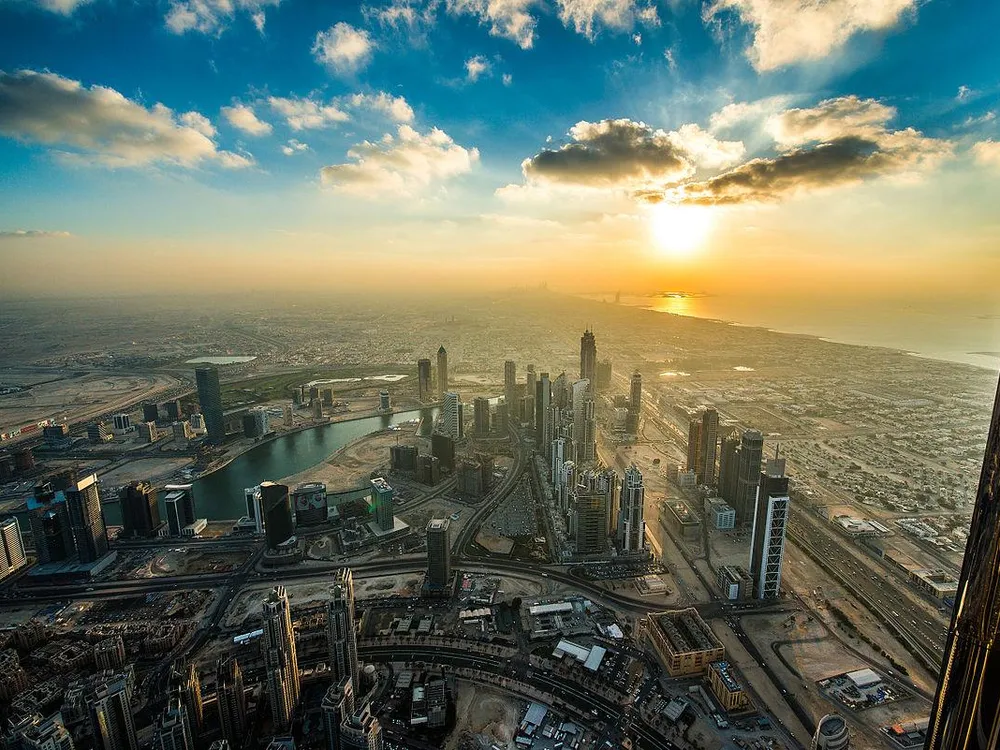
column 831, row 734
column 309, row 502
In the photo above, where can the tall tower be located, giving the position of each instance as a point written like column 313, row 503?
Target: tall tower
column 543, row 398
column 767, row 540
column 341, row 638
column 634, row 402
column 438, row 553
column 423, row 379
column 748, row 475
column 588, row 357
column 591, row 521
column 451, row 419
column 510, row 382
column 481, row 416
column 280, row 659
column 361, row 731
column 110, row 711
column 210, row 398
column 12, row 555
column 140, row 511
column 442, row 371
column 276, row 506
column 529, row 385
column 338, row 707
column 188, row 686
column 179, row 505
column 709, row 445
column 694, row 446
column 83, row 502
column 231, row 700
column 729, row 466
column 631, row 526
column 383, row 508
column 174, row 730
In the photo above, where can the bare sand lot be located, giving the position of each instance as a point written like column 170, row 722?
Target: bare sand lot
column 353, row 463
column 149, row 469
column 488, row 714
column 71, row 396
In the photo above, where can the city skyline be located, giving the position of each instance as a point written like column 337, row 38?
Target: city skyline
column 700, row 146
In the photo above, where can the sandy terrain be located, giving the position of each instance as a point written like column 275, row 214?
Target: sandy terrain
column 150, row 469
column 485, row 712
column 353, row 463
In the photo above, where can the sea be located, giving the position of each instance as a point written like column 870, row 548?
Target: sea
column 953, row 331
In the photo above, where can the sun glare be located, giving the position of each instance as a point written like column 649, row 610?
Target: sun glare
column 680, row 230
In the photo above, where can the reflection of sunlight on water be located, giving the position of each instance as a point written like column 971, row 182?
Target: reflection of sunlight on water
column 679, row 305
column 673, row 374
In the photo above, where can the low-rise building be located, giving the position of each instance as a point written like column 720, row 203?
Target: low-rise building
column 720, row 514
column 727, row 688
column 679, row 518
column 735, row 583
column 684, row 642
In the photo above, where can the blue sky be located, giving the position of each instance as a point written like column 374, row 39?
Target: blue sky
column 507, row 135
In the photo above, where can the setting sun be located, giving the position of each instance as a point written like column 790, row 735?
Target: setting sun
column 680, row 230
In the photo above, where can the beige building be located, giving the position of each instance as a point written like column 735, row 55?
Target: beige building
column 727, row 688
column 684, row 642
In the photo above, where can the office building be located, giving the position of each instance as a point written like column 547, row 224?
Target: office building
column 709, row 445
column 727, row 687
column 767, row 550
column 122, row 423
column 403, row 457
column 98, row 433
column 150, row 412
column 481, row 416
column 694, row 448
column 603, row 374
column 429, row 469
column 361, row 731
column 110, row 653
column 560, row 452
column 12, row 557
column 86, row 519
column 341, row 638
column 255, row 423
column 588, row 357
column 543, row 399
column 631, row 526
column 280, row 661
column 832, row 734
column 185, row 682
column 438, row 553
column 729, row 466
column 423, row 379
column 140, row 510
column 592, row 503
column 50, row 526
column 684, row 642
column 255, row 512
column 47, row 734
column 529, row 391
column 584, row 426
column 179, row 506
column 109, row 708
column 338, row 707
column 634, row 403
column 210, row 400
column 174, row 730
column 382, row 507
column 510, row 381
column 442, row 362
column 172, row 409
column 231, row 700
column 309, row 501
column 451, row 418
column 443, row 449
column 276, row 507
column 748, row 476
column 735, row 583
column 720, row 514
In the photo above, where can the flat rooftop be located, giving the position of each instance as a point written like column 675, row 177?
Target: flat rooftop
column 686, row 631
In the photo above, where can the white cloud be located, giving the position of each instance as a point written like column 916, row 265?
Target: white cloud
column 704, row 148
column 98, row 125
column 214, row 16
column 987, row 153
column 63, row 7
column 405, row 164
column 233, row 160
column 294, row 147
column 588, row 17
column 786, row 32
column 740, row 114
column 343, row 48
column 395, row 108
column 477, row 67
column 414, row 18
column 964, row 93
column 508, row 19
column 32, row 234
column 830, row 119
column 306, row 113
column 242, row 117
column 668, row 55
column 508, row 79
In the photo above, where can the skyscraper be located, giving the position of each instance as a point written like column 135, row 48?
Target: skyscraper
column 174, row 730
column 767, row 539
column 584, row 424
column 276, row 505
column 179, row 505
column 50, row 525
column 709, row 445
column 509, row 381
column 280, row 661
column 338, row 707
column 341, row 638
column 423, row 378
column 140, row 511
column 383, row 507
column 361, row 731
column 694, row 446
column 231, row 700
column 451, row 418
column 481, row 416
column 631, row 526
column 210, row 399
column 529, row 387
column 438, row 553
column 591, row 521
column 588, row 357
column 442, row 371
column 187, row 685
column 729, row 466
column 50, row 734
column 634, row 402
column 110, row 710
column 543, row 398
column 748, row 476
column 12, row 555
column 83, row 503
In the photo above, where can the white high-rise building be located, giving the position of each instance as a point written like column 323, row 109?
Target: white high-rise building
column 12, row 556
column 451, row 418
column 567, row 482
column 559, row 457
column 770, row 520
column 341, row 638
column 280, row 659
column 254, row 510
column 631, row 526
